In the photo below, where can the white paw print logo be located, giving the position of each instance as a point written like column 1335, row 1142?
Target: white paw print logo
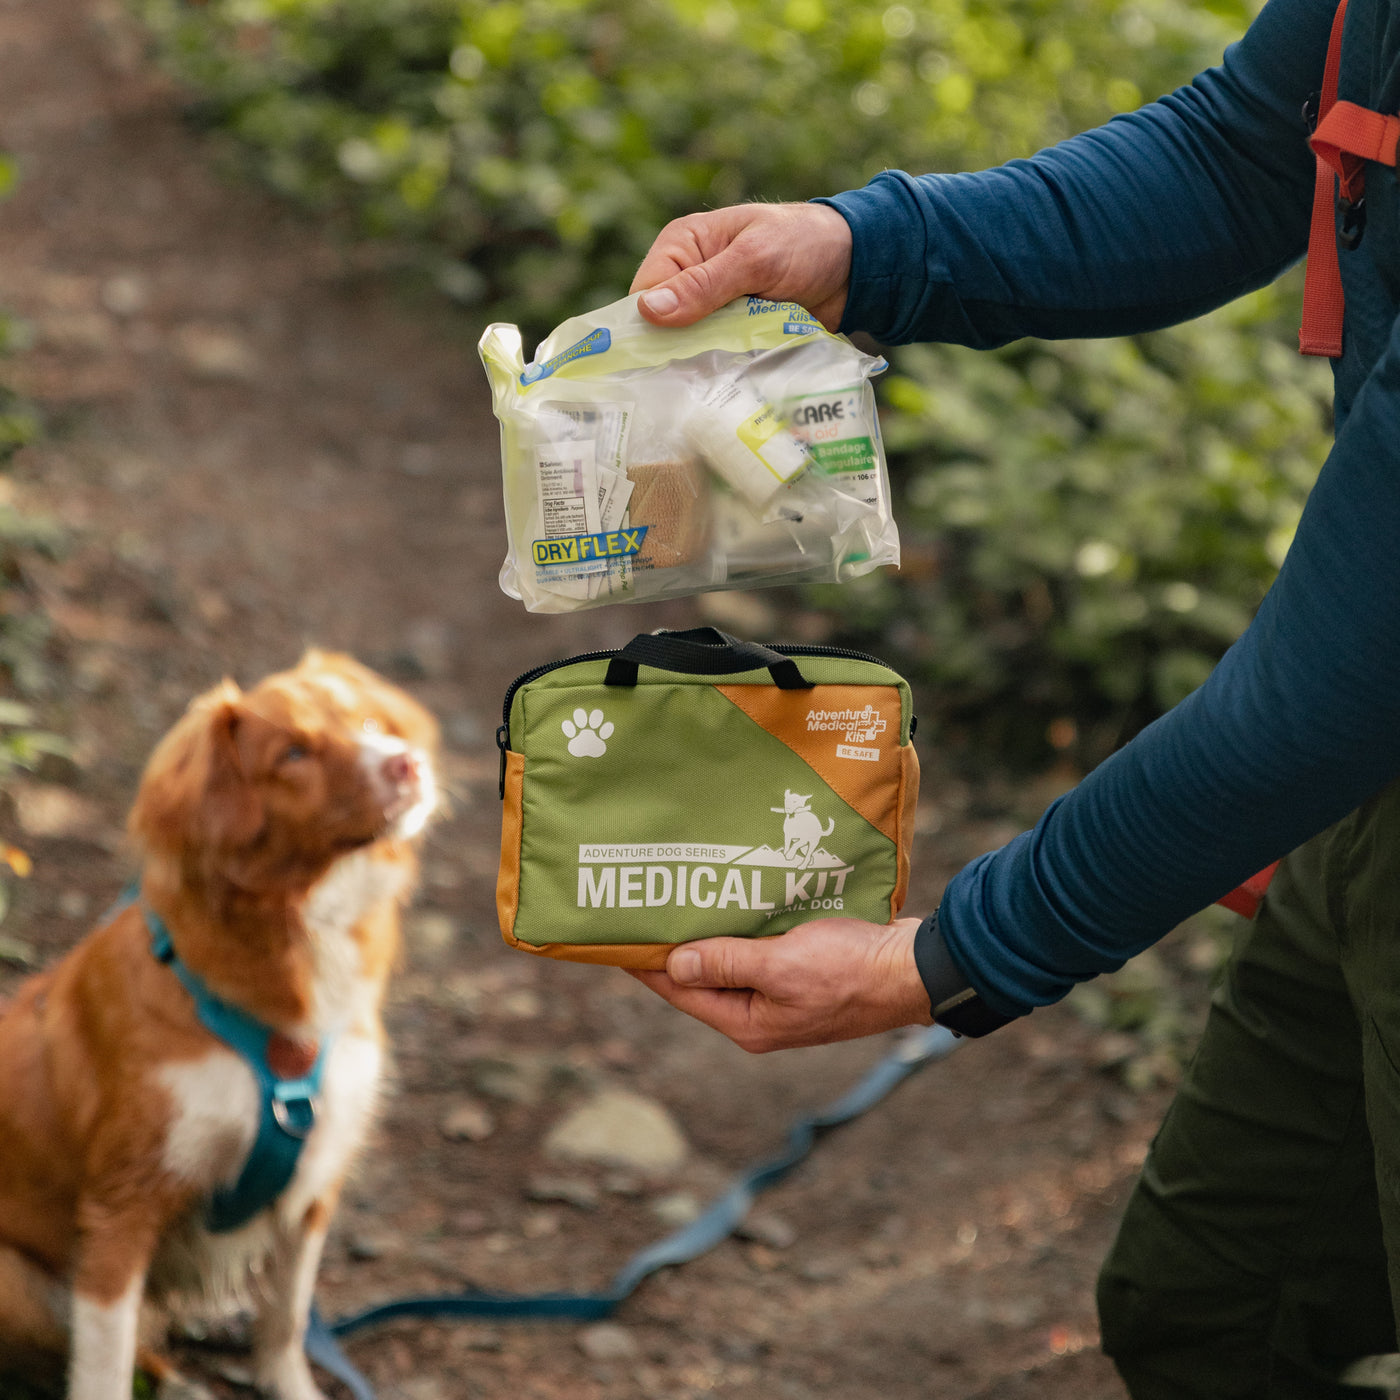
column 587, row 733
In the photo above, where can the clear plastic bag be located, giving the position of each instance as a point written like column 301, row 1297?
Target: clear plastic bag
column 642, row 463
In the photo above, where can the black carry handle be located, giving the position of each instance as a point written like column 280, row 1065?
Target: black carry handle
column 702, row 651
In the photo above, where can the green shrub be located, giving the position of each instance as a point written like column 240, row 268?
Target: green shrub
column 17, row 421
column 539, row 144
column 22, row 630
column 1086, row 526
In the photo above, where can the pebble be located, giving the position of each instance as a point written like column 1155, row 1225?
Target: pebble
column 523, row 1004
column 677, row 1208
column 763, row 1228
column 572, row 1190
column 214, row 352
column 430, row 936
column 516, row 1078
column 366, row 1247
column 18, row 952
column 826, row 1270
column 540, row 1224
column 44, row 809
column 422, row 1388
column 468, row 1122
column 620, row 1129
column 125, row 294
column 606, row 1341
column 175, row 1387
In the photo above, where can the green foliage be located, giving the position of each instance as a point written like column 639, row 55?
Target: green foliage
column 539, row 144
column 18, row 423
column 1151, row 1011
column 22, row 743
column 1086, row 526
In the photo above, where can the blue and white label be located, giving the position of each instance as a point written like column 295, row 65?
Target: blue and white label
column 593, row 344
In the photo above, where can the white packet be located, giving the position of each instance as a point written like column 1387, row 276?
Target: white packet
column 642, row 463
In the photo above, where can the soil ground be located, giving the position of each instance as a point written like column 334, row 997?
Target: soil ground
column 256, row 441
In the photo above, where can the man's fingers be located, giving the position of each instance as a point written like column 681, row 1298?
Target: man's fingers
column 700, row 263
column 729, row 1011
column 719, row 962
column 695, row 291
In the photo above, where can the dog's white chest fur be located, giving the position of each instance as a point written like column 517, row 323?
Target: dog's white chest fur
column 216, row 1108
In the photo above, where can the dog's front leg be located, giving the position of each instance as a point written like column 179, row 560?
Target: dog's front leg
column 108, row 1284
column 280, row 1368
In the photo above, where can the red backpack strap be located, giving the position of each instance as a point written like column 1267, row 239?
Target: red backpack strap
column 1347, row 136
column 1246, row 898
column 1323, row 301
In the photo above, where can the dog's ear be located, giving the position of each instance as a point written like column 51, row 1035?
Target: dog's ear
column 194, row 795
column 232, row 815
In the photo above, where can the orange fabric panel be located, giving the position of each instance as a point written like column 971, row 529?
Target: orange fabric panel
column 872, row 788
column 512, row 823
column 634, row 955
column 908, row 805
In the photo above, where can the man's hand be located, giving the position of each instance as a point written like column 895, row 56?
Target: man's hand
column 828, row 980
column 784, row 252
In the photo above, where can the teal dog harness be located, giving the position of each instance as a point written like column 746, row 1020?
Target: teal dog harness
column 287, row 1102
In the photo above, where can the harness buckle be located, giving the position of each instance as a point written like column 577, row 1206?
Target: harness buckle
column 1353, row 223
column 1312, row 111
column 295, row 1116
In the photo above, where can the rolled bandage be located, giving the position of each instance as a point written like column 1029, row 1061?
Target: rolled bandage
column 744, row 441
column 672, row 499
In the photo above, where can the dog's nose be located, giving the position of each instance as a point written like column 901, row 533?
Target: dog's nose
column 402, row 769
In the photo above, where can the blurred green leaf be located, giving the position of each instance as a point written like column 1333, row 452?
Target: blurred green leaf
column 1086, row 525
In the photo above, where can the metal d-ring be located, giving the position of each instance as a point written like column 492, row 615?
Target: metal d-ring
column 289, row 1123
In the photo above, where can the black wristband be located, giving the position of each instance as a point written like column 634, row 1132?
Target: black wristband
column 953, row 1001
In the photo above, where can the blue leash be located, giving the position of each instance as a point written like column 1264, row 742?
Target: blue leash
column 716, row 1224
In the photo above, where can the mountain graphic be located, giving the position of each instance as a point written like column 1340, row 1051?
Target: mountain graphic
column 765, row 855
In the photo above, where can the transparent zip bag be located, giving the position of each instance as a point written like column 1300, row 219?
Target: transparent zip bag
column 642, row 463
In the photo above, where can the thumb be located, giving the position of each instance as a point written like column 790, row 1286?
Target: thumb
column 695, row 291
column 715, row 962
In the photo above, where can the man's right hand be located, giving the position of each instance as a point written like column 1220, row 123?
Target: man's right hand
column 784, row 252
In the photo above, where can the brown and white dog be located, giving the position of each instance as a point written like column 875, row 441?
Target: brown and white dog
column 276, row 828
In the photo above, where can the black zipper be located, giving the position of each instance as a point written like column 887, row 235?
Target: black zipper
column 535, row 672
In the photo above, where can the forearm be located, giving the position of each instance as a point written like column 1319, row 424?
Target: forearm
column 1298, row 725
column 1149, row 220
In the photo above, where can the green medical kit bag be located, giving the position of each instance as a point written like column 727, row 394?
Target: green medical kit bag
column 690, row 784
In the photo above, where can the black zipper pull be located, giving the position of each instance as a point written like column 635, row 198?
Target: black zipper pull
column 503, row 743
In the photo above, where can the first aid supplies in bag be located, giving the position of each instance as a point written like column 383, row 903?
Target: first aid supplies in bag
column 689, row 785
column 643, row 463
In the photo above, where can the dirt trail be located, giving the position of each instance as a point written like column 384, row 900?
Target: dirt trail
column 255, row 444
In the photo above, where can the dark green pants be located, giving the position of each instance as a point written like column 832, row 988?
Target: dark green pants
column 1261, row 1248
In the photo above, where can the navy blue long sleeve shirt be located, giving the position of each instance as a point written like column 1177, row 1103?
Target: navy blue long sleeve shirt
column 1156, row 217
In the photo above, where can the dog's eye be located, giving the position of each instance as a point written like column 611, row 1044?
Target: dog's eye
column 293, row 753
